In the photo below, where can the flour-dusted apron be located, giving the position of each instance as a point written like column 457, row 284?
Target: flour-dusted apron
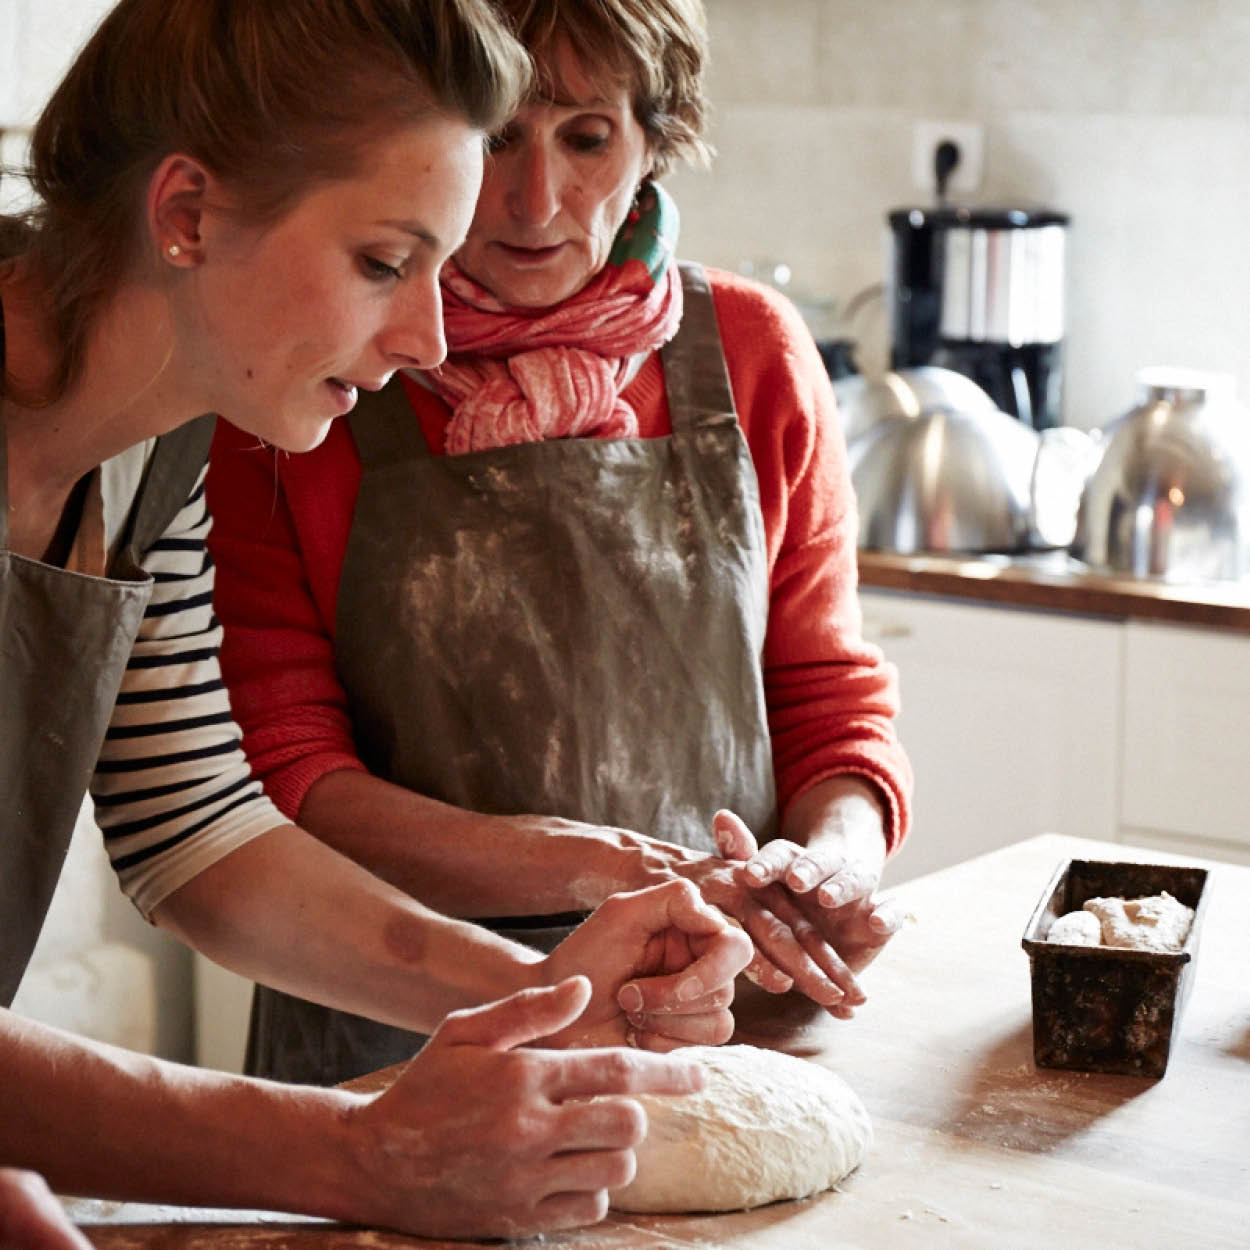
column 65, row 638
column 572, row 628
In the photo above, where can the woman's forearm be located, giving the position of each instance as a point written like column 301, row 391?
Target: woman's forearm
column 468, row 864
column 100, row 1121
column 474, row 1139
column 292, row 913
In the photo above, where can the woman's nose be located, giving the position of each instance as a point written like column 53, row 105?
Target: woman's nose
column 534, row 195
column 413, row 338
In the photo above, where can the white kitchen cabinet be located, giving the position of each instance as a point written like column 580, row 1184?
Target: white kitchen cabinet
column 1011, row 719
column 1186, row 770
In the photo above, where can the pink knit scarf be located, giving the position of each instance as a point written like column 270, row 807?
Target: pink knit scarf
column 517, row 375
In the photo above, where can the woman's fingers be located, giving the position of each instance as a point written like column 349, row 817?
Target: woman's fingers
column 887, row 917
column 706, row 982
column 849, row 883
column 518, row 1019
column 656, row 996
column 667, row 1033
column 831, row 969
column 770, row 925
column 874, row 928
column 30, row 1216
column 796, row 867
column 734, row 840
column 615, row 1070
column 604, row 1123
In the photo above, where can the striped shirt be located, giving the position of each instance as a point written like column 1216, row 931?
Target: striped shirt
column 173, row 791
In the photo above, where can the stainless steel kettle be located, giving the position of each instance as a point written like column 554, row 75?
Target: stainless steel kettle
column 947, row 480
column 1170, row 497
column 936, row 468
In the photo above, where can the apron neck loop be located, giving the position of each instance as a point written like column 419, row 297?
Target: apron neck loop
column 4, row 447
column 694, row 365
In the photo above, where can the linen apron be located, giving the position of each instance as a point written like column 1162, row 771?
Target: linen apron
column 65, row 638
column 572, row 628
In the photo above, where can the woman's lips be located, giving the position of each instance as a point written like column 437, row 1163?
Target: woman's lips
column 519, row 254
column 345, row 394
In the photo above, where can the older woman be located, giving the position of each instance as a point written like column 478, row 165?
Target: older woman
column 210, row 235
column 575, row 611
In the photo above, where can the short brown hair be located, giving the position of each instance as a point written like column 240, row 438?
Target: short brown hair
column 273, row 96
column 659, row 47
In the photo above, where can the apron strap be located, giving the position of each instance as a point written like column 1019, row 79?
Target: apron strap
column 385, row 428
column 695, row 374
column 4, row 450
column 171, row 473
column 4, row 478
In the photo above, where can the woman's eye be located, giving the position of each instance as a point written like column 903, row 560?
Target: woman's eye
column 379, row 270
column 587, row 141
column 500, row 139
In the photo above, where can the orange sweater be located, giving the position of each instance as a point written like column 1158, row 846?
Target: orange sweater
column 282, row 522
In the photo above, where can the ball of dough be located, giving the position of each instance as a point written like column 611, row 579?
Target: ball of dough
column 1156, row 923
column 1076, row 928
column 766, row 1126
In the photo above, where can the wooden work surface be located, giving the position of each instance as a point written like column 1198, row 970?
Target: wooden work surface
column 975, row 1147
column 1051, row 581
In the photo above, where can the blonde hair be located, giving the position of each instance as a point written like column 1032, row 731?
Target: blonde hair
column 657, row 47
column 272, row 96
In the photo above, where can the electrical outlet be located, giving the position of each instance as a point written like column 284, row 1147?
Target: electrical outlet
column 969, row 137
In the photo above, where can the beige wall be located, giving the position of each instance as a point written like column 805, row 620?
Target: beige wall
column 1132, row 115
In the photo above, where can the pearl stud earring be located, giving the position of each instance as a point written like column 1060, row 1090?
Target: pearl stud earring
column 174, row 251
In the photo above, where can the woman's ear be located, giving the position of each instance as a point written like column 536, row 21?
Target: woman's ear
column 176, row 202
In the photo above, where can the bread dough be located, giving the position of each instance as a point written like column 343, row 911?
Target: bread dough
column 766, row 1126
column 1156, row 923
column 1077, row 928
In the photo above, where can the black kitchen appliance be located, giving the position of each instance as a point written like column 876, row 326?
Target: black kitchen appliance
column 981, row 291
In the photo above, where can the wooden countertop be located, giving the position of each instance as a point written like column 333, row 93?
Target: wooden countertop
column 1055, row 582
column 975, row 1147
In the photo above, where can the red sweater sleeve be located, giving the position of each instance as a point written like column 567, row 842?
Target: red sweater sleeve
column 831, row 696
column 280, row 533
column 277, row 568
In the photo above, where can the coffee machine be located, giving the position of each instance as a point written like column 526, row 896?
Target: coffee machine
column 981, row 291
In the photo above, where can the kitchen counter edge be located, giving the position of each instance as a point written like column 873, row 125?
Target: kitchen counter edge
column 1027, row 582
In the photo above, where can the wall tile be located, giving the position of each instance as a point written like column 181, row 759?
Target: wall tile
column 1129, row 114
column 45, row 36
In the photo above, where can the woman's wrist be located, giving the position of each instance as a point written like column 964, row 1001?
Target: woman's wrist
column 847, row 807
column 604, row 860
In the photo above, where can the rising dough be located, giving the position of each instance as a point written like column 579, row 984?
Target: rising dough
column 1157, row 923
column 766, row 1126
column 1077, row 928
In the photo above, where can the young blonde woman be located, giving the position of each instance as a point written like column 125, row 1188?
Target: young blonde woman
column 243, row 208
column 576, row 612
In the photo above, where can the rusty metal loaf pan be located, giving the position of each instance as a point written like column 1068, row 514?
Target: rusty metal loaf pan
column 1102, row 1009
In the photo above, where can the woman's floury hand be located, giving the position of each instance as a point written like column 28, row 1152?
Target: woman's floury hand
column 483, row 1136
column 662, row 962
column 821, row 925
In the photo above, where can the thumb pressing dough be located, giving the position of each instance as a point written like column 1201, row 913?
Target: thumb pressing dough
column 766, row 1126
